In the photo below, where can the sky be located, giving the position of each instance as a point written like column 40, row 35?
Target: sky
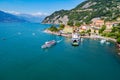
column 43, row 7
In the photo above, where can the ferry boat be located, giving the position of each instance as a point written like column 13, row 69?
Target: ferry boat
column 75, row 39
column 48, row 44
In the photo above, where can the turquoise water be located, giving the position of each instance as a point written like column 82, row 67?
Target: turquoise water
column 21, row 57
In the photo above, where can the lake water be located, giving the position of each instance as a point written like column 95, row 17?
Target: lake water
column 21, row 56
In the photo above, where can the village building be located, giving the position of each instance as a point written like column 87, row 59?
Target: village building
column 68, row 29
column 97, row 23
column 84, row 28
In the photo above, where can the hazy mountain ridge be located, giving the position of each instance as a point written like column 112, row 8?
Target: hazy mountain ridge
column 21, row 17
column 6, row 17
column 32, row 18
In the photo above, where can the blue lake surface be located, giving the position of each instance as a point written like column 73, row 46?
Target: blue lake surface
column 21, row 56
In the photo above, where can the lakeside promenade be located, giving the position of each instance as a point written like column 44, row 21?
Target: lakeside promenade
column 91, row 37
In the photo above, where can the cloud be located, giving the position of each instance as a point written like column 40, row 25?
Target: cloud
column 13, row 12
column 40, row 14
column 36, row 14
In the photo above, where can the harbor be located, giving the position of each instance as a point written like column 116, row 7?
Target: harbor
column 59, row 39
column 87, row 37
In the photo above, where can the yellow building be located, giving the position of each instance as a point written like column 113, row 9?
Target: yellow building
column 94, row 30
column 68, row 29
column 109, row 25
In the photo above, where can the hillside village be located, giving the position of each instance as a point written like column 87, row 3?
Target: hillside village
column 97, row 29
column 94, row 27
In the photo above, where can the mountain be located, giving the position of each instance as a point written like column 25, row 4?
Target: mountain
column 6, row 17
column 31, row 18
column 109, row 10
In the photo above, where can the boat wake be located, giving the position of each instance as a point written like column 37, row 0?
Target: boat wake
column 59, row 41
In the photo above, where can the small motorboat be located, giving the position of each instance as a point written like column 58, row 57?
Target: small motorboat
column 48, row 44
column 107, row 43
column 102, row 41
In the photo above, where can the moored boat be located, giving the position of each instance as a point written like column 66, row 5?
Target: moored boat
column 102, row 41
column 75, row 39
column 75, row 42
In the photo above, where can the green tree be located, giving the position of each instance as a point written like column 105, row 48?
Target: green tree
column 70, row 23
column 89, row 32
column 53, row 28
column 117, row 35
column 82, row 33
column 102, row 29
column 61, row 27
column 94, row 31
column 78, row 24
column 114, row 29
column 118, row 40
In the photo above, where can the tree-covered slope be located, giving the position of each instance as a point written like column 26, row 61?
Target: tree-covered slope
column 108, row 10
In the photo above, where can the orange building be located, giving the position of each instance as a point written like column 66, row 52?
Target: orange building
column 109, row 25
column 97, row 22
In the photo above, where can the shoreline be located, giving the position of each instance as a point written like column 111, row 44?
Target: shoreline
column 56, row 33
column 90, row 37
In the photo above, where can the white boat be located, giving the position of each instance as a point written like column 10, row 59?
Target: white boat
column 75, row 39
column 48, row 44
column 102, row 41
column 107, row 42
